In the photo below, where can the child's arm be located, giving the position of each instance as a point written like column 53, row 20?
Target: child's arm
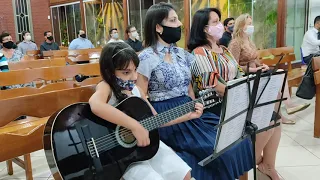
column 99, row 106
column 192, row 115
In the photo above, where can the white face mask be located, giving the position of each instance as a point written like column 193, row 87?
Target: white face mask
column 115, row 36
column 249, row 31
column 138, row 37
column 28, row 38
column 134, row 34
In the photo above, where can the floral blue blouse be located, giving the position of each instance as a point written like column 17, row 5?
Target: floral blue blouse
column 166, row 80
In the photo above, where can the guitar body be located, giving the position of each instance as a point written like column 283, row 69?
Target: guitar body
column 68, row 155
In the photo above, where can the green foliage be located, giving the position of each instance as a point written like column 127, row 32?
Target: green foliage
column 64, row 34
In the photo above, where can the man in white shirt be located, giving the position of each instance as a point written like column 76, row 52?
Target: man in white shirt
column 27, row 44
column 114, row 36
column 311, row 42
column 81, row 42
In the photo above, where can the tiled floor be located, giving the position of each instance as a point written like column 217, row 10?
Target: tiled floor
column 298, row 156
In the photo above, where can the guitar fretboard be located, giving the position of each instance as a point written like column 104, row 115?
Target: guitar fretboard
column 158, row 120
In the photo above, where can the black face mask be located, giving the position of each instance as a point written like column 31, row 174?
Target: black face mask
column 50, row 38
column 170, row 34
column 83, row 35
column 8, row 45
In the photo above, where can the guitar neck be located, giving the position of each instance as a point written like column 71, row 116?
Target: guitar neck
column 158, row 120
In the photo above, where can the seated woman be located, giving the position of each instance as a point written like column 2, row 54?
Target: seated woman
column 244, row 51
column 11, row 55
column 164, row 72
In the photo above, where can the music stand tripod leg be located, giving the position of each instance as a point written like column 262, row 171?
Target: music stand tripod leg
column 251, row 129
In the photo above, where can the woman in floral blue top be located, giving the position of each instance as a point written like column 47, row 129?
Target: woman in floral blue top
column 164, row 73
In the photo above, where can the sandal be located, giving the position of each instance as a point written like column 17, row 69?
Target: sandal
column 298, row 108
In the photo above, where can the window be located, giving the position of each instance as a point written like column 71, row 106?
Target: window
column 23, row 21
column 66, row 22
column 295, row 26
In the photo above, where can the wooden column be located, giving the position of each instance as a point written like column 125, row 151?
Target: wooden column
column 83, row 20
column 281, row 23
column 186, row 5
column 125, row 16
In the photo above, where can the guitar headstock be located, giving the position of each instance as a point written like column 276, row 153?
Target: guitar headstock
column 209, row 98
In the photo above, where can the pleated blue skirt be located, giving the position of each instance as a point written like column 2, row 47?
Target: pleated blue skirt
column 194, row 140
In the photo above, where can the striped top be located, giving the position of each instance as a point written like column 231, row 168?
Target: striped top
column 3, row 63
column 210, row 67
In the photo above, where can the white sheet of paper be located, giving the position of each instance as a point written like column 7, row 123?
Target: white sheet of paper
column 262, row 115
column 237, row 101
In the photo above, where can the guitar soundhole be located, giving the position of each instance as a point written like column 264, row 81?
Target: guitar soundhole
column 125, row 138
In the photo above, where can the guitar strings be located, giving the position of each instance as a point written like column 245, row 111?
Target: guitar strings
column 113, row 142
column 175, row 111
column 110, row 145
column 101, row 143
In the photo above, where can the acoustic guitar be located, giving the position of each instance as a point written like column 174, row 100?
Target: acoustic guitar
column 81, row 145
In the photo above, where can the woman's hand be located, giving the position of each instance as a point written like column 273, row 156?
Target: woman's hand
column 264, row 67
column 142, row 135
column 220, row 89
column 197, row 113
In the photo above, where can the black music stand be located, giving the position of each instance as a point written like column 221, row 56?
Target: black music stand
column 238, row 124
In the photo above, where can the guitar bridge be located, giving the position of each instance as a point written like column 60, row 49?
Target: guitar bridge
column 89, row 145
column 93, row 148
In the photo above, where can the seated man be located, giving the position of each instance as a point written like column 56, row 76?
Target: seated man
column 26, row 44
column 311, row 42
column 133, row 40
column 227, row 35
column 114, row 36
column 48, row 44
column 81, row 42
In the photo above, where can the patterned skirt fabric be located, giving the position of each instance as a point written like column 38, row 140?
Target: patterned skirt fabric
column 194, row 140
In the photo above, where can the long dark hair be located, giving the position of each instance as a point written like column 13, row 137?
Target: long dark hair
column 116, row 56
column 200, row 20
column 155, row 15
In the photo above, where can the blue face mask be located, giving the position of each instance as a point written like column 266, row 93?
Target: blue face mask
column 231, row 28
column 126, row 85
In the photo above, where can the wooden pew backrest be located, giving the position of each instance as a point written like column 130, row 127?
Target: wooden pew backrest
column 48, row 74
column 65, row 53
column 32, row 64
column 12, row 93
column 33, row 55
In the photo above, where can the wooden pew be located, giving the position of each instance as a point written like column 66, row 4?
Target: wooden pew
column 32, row 64
column 51, row 74
column 92, row 53
column 32, row 55
column 12, row 93
column 316, row 68
column 22, row 137
column 270, row 57
column 47, row 74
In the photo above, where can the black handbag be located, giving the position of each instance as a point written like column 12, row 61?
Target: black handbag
column 307, row 88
